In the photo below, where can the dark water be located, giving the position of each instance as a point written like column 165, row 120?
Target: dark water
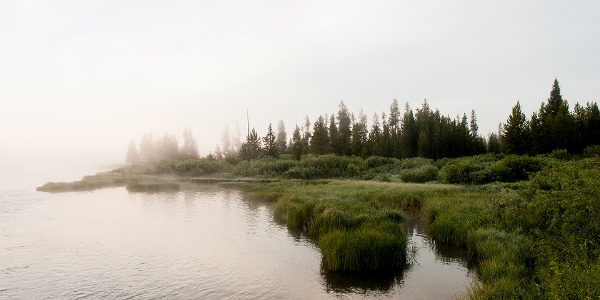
column 203, row 242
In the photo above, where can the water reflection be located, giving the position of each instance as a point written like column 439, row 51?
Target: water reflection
column 437, row 270
column 202, row 242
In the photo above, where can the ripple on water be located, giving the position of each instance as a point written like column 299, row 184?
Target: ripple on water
column 202, row 242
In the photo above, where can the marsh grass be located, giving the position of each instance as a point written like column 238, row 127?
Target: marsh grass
column 89, row 183
column 358, row 224
column 153, row 187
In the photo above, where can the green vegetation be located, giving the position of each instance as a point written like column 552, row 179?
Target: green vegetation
column 528, row 204
column 153, row 186
column 531, row 221
column 534, row 239
column 88, row 183
column 359, row 224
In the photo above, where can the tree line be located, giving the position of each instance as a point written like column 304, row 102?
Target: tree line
column 553, row 127
column 422, row 132
column 155, row 148
column 427, row 133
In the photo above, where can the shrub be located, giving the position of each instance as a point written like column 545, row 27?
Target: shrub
column 421, row 174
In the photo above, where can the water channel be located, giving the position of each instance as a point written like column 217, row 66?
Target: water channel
column 203, row 242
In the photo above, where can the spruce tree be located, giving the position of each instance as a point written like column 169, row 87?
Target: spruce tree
column 334, row 138
column 281, row 137
column 189, row 149
column 270, row 143
column 474, row 133
column 410, row 134
column 344, row 130
column 132, row 156
column 374, row 137
column 515, row 134
column 251, row 148
column 394, row 124
column 319, row 143
column 296, row 144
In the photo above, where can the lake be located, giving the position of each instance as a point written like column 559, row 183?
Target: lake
column 203, row 242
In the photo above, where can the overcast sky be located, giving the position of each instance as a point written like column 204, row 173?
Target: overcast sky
column 79, row 79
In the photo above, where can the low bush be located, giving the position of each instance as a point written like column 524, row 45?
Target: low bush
column 424, row 173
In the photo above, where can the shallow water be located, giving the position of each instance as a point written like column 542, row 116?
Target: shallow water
column 202, row 242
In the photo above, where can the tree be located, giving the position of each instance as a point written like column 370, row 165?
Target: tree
column 374, row 146
column 319, row 143
column 515, row 133
column 251, row 148
column 555, row 100
column 270, row 143
column 474, row 132
column 344, row 130
column 306, row 135
column 360, row 135
column 281, row 137
column 132, row 156
column 394, row 125
column 493, row 145
column 148, row 147
column 410, row 134
column 189, row 149
column 169, row 147
column 334, row 138
column 297, row 143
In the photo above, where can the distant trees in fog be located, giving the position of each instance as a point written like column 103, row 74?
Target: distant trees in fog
column 422, row 132
column 155, row 148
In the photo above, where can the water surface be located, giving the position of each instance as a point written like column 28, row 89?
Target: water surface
column 202, row 242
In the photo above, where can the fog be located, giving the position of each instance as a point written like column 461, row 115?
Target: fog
column 79, row 80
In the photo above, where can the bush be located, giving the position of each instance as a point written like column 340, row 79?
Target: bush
column 421, row 174
column 591, row 151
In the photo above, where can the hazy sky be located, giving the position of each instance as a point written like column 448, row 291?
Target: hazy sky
column 79, row 79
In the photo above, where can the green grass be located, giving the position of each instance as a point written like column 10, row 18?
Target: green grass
column 533, row 223
column 153, row 187
column 89, row 183
column 358, row 224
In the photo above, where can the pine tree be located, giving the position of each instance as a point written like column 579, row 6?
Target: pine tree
column 474, row 133
column 334, row 138
column 148, row 148
column 493, row 145
column 270, row 143
column 344, row 130
column 410, row 134
column 296, row 144
column 281, row 137
column 515, row 134
column 132, row 156
column 319, row 143
column 251, row 148
column 374, row 146
column 394, row 124
column 189, row 149
column 169, row 147
column 555, row 100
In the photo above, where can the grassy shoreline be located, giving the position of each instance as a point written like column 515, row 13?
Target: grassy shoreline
column 533, row 223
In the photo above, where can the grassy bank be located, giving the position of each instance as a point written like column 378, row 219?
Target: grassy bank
column 358, row 224
column 535, row 239
column 533, row 223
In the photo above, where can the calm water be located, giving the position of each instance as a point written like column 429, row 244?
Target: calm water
column 200, row 243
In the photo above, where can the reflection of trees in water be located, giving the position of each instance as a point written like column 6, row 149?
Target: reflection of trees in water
column 381, row 281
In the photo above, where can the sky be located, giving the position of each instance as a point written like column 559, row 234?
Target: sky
column 80, row 79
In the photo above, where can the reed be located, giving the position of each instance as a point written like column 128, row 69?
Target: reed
column 153, row 187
